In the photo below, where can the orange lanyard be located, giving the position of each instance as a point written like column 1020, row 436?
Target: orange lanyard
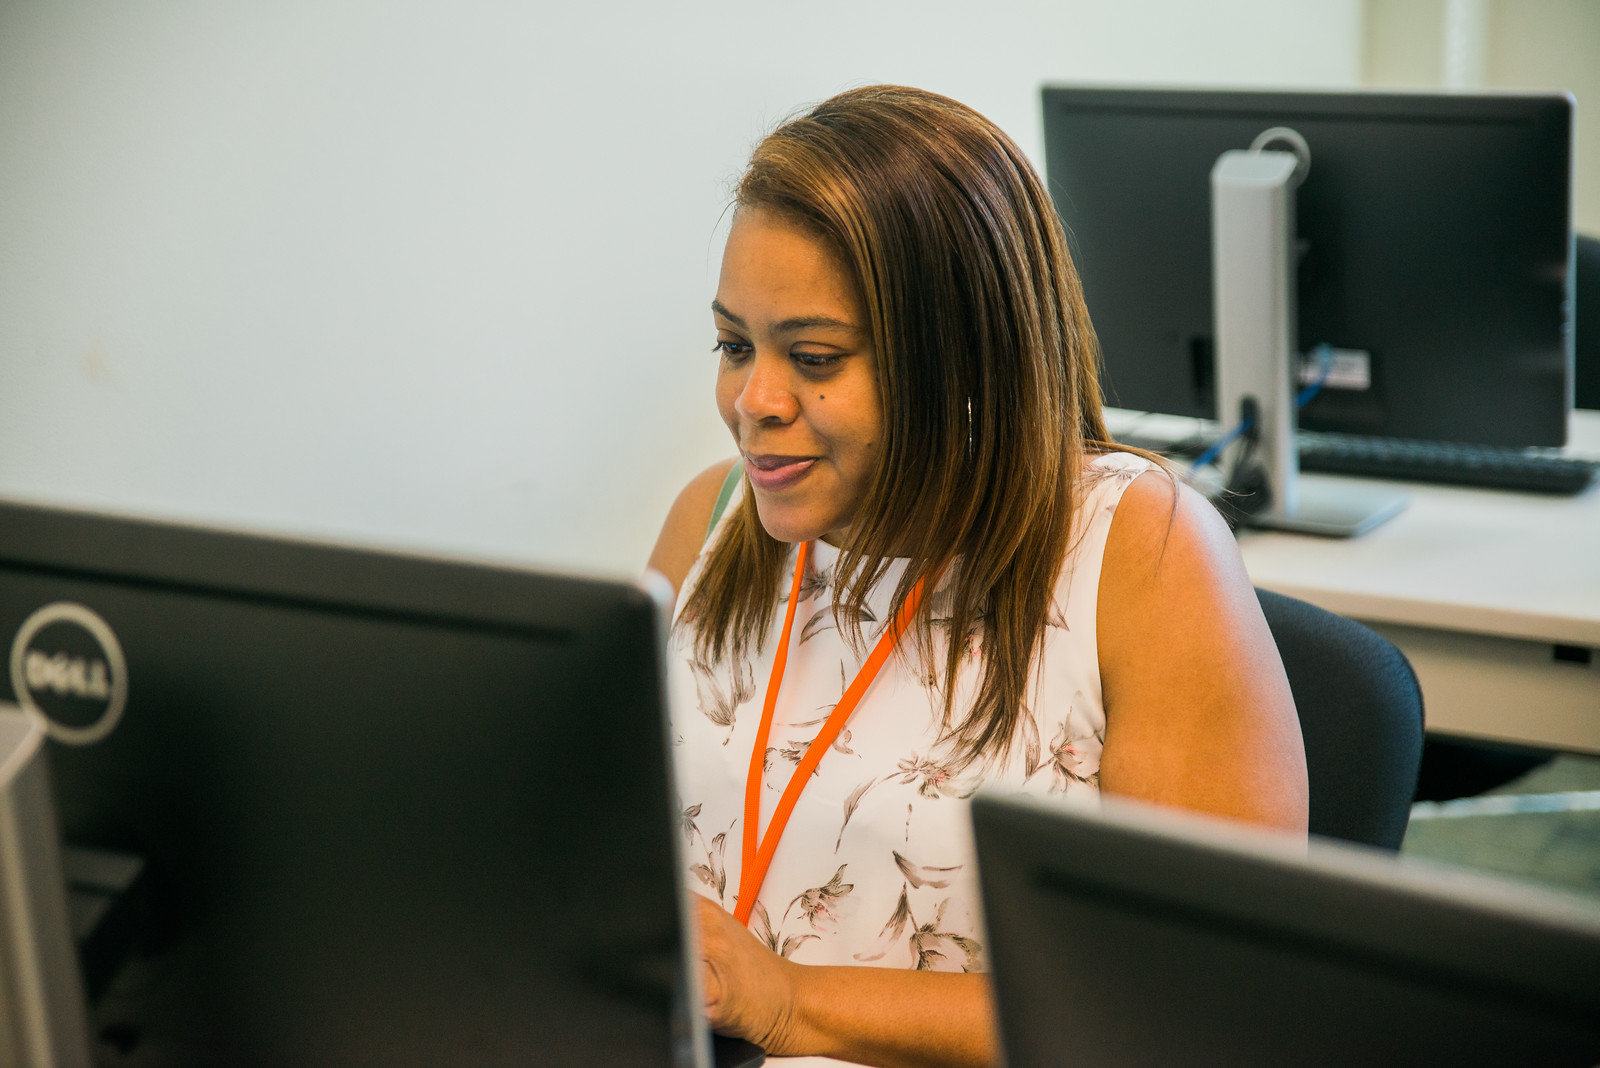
column 757, row 856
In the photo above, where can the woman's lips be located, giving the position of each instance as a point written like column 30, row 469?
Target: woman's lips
column 777, row 472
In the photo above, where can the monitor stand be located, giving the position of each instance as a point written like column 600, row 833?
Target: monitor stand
column 1253, row 264
column 43, row 1019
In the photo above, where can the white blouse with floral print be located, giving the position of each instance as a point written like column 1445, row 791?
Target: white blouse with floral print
column 876, row 866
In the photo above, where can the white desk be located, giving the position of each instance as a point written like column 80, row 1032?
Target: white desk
column 1477, row 587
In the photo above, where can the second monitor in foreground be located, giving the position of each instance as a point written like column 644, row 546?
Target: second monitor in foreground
column 1128, row 935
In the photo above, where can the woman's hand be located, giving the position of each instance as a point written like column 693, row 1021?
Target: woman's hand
column 749, row 989
column 881, row 1016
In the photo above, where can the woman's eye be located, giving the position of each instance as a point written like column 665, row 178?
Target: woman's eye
column 731, row 350
column 815, row 361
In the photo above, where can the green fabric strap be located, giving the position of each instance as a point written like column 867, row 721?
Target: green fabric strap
column 723, row 497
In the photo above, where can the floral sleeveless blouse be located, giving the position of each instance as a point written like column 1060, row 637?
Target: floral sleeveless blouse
column 876, row 866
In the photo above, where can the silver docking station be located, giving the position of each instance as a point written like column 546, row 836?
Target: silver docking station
column 1253, row 272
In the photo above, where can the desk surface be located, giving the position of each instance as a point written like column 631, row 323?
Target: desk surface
column 1515, row 565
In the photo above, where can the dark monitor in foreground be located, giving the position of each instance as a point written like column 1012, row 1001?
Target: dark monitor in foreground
column 1435, row 240
column 392, row 810
column 1134, row 936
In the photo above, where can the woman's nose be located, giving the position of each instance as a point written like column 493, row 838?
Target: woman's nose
column 767, row 395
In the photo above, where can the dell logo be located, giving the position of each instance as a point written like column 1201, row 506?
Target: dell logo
column 68, row 671
column 63, row 674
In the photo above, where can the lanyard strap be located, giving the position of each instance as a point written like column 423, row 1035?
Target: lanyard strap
column 757, row 856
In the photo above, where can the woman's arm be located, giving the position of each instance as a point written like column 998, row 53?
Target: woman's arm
column 685, row 528
column 876, row 1016
column 1198, row 709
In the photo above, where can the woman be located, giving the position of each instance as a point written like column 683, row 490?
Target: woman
column 934, row 572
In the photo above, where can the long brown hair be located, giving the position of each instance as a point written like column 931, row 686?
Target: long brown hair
column 987, row 373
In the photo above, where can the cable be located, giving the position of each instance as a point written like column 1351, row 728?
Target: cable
column 1245, row 491
column 1324, row 356
column 1209, row 457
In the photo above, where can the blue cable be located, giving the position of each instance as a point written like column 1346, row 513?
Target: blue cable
column 1209, row 457
column 1324, row 355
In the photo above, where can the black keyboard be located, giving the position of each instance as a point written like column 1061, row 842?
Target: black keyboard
column 1442, row 461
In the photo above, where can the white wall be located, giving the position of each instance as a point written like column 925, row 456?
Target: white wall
column 436, row 275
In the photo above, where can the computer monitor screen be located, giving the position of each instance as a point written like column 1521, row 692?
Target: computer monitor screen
column 1132, row 936
column 1434, row 237
column 393, row 810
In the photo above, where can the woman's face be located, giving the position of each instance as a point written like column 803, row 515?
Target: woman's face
column 797, row 382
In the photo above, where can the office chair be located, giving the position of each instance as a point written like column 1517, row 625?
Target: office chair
column 1586, row 322
column 1361, row 718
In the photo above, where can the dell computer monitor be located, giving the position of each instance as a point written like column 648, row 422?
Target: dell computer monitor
column 1128, row 935
column 1434, row 239
column 390, row 809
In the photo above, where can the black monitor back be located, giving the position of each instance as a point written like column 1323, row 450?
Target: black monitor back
column 394, row 810
column 1586, row 335
column 1435, row 234
column 1136, row 936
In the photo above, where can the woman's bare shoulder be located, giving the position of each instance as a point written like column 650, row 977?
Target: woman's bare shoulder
column 1162, row 524
column 685, row 528
column 1170, row 564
